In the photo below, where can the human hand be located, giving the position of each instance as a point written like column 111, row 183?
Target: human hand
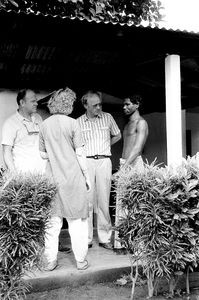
column 114, row 176
column 122, row 161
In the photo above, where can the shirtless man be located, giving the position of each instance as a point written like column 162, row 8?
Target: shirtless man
column 135, row 132
column 134, row 135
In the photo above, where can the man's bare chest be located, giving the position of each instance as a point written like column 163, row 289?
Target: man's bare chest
column 130, row 130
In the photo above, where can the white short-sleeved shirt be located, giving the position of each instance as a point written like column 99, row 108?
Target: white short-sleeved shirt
column 97, row 134
column 23, row 135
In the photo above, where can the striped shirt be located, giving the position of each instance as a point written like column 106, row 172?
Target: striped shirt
column 97, row 133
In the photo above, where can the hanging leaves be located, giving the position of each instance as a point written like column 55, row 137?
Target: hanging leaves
column 123, row 11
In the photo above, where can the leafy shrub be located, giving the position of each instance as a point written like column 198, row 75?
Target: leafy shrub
column 25, row 202
column 160, row 222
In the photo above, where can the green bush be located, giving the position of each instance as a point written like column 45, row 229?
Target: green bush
column 160, row 222
column 25, row 202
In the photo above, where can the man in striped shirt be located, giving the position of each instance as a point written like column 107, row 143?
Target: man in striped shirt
column 99, row 131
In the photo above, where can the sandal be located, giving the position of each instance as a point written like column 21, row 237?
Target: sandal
column 50, row 266
column 82, row 265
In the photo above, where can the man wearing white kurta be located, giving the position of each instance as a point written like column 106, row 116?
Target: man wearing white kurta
column 20, row 136
column 99, row 131
column 61, row 145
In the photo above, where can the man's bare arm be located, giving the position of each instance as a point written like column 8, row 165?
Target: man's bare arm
column 8, row 158
column 141, row 136
column 115, row 138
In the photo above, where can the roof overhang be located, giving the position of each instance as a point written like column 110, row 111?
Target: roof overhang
column 43, row 52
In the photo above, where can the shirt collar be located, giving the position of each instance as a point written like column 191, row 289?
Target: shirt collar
column 87, row 119
column 21, row 118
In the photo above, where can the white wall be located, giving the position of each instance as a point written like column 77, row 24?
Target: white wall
column 192, row 120
column 8, row 106
column 156, row 146
column 156, row 143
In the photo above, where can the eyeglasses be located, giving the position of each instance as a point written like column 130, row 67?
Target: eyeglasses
column 32, row 128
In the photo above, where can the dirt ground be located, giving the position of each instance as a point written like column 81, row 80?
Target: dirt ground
column 101, row 291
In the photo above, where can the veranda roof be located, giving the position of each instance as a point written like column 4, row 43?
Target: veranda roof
column 46, row 51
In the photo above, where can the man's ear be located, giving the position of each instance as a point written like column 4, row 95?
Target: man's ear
column 22, row 102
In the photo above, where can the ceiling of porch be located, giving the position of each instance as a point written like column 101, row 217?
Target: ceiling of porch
column 48, row 53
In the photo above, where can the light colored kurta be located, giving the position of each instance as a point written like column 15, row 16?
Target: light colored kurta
column 60, row 135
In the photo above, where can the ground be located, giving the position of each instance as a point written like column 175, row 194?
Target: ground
column 100, row 291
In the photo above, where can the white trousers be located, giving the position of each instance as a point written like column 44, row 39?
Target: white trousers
column 100, row 172
column 78, row 230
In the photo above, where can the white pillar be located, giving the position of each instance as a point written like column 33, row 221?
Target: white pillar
column 173, row 110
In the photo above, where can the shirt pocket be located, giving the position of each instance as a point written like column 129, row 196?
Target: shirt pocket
column 85, row 130
column 104, row 132
column 104, row 128
column 25, row 139
column 86, row 135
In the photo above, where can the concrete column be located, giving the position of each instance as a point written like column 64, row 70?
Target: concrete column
column 173, row 110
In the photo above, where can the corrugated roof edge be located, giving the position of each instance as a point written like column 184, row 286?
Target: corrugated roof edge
column 158, row 27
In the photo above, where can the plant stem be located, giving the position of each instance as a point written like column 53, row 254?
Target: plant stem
column 187, row 281
column 172, row 285
column 150, row 284
column 133, row 277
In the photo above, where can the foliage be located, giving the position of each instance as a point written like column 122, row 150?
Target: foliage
column 160, row 222
column 122, row 11
column 2, row 171
column 25, row 203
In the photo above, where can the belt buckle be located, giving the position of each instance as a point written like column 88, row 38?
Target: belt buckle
column 96, row 157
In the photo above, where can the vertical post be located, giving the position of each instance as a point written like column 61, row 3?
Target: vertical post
column 173, row 110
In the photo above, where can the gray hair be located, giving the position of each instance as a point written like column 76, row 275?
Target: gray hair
column 62, row 102
column 85, row 97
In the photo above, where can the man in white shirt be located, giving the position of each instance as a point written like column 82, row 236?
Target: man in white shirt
column 20, row 136
column 99, row 132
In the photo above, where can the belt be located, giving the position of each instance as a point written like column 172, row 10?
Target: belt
column 98, row 156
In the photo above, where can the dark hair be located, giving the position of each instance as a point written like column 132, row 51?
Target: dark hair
column 21, row 95
column 135, row 99
column 89, row 93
